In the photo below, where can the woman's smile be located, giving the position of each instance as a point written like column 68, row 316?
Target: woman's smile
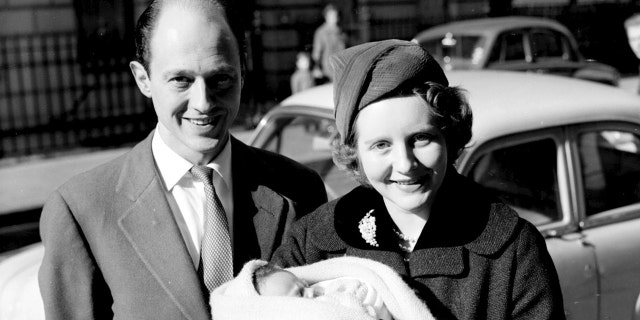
column 408, row 184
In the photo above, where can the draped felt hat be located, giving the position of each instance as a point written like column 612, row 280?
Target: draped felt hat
column 368, row 72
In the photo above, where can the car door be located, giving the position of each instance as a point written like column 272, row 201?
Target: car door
column 608, row 182
column 551, row 52
column 509, row 52
column 531, row 173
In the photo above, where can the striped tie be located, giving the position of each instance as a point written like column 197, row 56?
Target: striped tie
column 216, row 260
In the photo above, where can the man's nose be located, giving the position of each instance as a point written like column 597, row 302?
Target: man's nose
column 201, row 97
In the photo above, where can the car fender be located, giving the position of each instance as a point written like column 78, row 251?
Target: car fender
column 19, row 292
column 595, row 71
column 636, row 309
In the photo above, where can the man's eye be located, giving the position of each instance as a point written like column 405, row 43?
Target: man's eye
column 180, row 81
column 222, row 82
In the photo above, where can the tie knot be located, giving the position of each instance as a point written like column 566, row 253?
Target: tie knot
column 203, row 173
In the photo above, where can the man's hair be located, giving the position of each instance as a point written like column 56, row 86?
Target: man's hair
column 147, row 23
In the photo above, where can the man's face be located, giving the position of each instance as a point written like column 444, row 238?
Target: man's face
column 194, row 80
column 332, row 17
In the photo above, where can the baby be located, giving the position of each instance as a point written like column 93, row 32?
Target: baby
column 341, row 288
column 271, row 280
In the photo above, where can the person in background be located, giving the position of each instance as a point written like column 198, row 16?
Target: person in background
column 150, row 234
column 400, row 130
column 302, row 78
column 327, row 40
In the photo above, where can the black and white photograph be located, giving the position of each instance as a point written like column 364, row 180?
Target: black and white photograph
column 320, row 159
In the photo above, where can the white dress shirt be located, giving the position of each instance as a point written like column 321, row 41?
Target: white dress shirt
column 188, row 191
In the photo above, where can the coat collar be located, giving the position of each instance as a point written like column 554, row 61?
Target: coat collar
column 255, row 203
column 151, row 229
column 148, row 224
column 465, row 219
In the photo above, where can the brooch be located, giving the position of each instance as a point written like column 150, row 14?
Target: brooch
column 367, row 227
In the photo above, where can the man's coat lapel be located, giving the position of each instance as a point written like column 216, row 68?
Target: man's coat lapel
column 150, row 227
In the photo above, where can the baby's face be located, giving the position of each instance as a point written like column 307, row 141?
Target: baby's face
column 285, row 283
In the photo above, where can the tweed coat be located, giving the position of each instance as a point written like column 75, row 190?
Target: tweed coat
column 113, row 248
column 475, row 258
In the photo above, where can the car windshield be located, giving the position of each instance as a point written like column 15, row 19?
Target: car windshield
column 456, row 51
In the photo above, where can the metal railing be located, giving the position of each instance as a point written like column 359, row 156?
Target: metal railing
column 50, row 102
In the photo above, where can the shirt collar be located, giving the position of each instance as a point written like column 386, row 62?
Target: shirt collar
column 173, row 167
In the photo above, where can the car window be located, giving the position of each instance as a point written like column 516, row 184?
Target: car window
column 461, row 47
column 432, row 46
column 508, row 47
column 610, row 163
column 469, row 45
column 307, row 139
column 524, row 176
column 546, row 45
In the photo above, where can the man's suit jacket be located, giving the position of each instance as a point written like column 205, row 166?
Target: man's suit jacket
column 114, row 250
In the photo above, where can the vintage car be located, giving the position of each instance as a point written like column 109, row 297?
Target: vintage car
column 565, row 153
column 513, row 43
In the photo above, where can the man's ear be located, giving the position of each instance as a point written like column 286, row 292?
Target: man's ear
column 142, row 78
column 243, row 73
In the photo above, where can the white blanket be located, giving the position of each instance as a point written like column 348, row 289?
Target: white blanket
column 238, row 299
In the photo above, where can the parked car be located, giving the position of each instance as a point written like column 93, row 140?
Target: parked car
column 24, row 187
column 513, row 43
column 564, row 153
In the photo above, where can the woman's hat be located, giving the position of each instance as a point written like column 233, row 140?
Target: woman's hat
column 367, row 72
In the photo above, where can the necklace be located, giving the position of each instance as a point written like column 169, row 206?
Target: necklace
column 405, row 243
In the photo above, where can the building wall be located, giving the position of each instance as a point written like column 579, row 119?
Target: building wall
column 36, row 16
column 282, row 28
column 49, row 98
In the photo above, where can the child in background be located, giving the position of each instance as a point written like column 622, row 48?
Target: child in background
column 302, row 78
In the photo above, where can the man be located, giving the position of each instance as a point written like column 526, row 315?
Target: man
column 327, row 40
column 124, row 240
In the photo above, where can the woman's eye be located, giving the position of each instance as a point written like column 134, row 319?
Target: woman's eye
column 380, row 145
column 422, row 138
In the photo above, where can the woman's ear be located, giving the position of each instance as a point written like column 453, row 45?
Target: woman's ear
column 142, row 78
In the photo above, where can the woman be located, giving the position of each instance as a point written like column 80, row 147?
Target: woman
column 401, row 127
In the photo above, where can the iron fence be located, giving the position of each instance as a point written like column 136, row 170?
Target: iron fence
column 49, row 102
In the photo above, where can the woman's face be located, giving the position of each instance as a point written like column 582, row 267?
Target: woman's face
column 401, row 152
